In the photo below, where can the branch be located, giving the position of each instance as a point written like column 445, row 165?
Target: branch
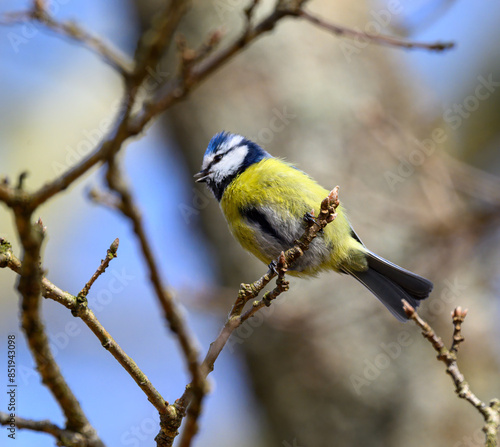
column 191, row 78
column 375, row 38
column 250, row 291
column 112, row 56
column 246, row 293
column 110, row 254
column 79, row 308
column 148, row 54
column 154, row 41
column 120, row 133
column 458, row 317
column 491, row 412
column 63, row 436
column 196, row 73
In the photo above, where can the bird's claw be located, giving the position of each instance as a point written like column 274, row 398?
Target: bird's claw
column 272, row 266
column 309, row 218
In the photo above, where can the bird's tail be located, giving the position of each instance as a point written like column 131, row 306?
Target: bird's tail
column 391, row 284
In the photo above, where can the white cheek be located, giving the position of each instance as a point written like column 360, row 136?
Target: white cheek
column 231, row 163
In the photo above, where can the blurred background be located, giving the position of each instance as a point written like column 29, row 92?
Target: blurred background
column 413, row 140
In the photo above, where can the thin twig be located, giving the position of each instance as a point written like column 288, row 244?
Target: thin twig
column 491, row 412
column 380, row 39
column 156, row 40
column 314, row 226
column 112, row 56
column 179, row 89
column 148, row 55
column 110, row 254
column 104, row 198
column 282, row 285
column 458, row 316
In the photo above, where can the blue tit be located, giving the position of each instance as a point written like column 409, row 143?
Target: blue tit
column 264, row 200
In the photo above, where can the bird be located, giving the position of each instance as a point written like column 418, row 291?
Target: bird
column 265, row 199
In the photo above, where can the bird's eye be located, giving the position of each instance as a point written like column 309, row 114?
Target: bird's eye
column 217, row 158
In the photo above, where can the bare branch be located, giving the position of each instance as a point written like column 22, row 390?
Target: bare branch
column 117, row 137
column 112, row 56
column 198, row 72
column 380, row 39
column 63, row 436
column 148, row 55
column 458, row 316
column 196, row 66
column 491, row 412
column 156, row 40
column 110, row 254
column 79, row 308
column 179, row 88
column 250, row 291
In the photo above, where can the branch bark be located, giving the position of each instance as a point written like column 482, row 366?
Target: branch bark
column 490, row 412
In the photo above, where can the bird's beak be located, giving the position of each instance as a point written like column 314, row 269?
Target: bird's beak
column 201, row 176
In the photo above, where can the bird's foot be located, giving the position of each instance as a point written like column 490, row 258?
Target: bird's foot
column 272, row 266
column 309, row 218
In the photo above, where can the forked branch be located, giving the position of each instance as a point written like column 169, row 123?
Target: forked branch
column 490, row 412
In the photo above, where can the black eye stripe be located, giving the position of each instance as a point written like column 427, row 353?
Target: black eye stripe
column 219, row 157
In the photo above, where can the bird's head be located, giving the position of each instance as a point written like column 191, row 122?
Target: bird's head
column 227, row 156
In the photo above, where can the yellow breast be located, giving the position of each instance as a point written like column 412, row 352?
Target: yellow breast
column 287, row 194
